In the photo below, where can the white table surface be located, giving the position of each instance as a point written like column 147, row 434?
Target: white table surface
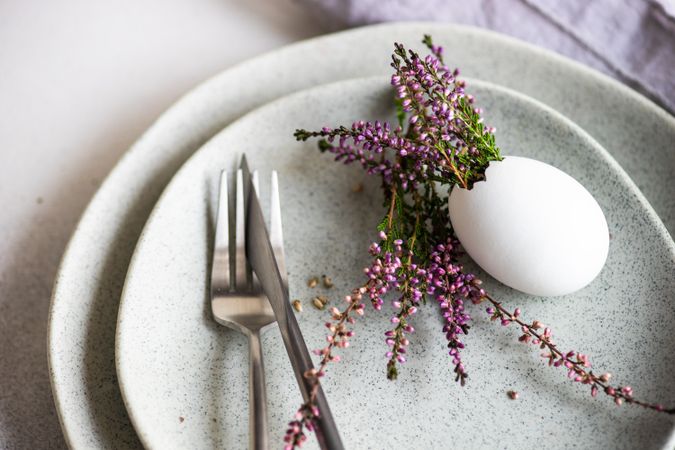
column 80, row 80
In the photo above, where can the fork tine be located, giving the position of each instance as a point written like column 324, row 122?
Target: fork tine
column 256, row 191
column 240, row 270
column 276, row 233
column 220, row 269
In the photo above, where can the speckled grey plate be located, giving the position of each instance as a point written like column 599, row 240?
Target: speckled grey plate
column 184, row 379
column 89, row 282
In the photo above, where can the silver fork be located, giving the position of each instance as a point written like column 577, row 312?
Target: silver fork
column 237, row 300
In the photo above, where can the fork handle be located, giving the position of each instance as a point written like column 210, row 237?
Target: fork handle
column 258, row 436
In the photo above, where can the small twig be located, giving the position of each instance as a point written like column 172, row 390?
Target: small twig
column 575, row 365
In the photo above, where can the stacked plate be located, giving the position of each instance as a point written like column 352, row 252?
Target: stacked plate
column 137, row 361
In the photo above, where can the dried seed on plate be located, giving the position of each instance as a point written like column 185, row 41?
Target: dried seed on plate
column 312, row 282
column 297, row 305
column 327, row 281
column 318, row 304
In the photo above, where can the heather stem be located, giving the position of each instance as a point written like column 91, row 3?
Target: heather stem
column 543, row 339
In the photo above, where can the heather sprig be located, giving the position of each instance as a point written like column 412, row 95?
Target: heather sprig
column 446, row 140
column 444, row 144
column 577, row 364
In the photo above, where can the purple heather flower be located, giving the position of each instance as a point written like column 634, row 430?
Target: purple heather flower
column 450, row 286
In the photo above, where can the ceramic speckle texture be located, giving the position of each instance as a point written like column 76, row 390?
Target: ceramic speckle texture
column 174, row 361
column 87, row 289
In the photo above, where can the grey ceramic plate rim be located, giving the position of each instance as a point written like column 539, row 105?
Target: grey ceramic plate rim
column 67, row 376
column 123, row 373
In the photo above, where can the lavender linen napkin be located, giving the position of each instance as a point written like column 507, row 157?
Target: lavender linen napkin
column 630, row 40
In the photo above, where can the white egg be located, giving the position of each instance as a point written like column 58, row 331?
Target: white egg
column 532, row 227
